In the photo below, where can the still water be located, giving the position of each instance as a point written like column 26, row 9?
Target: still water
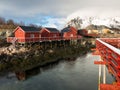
column 79, row 74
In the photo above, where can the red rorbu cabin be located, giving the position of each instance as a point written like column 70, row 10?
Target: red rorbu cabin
column 50, row 34
column 84, row 32
column 25, row 34
column 69, row 33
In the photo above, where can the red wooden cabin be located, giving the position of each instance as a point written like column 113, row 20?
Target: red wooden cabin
column 25, row 34
column 84, row 32
column 50, row 34
column 69, row 33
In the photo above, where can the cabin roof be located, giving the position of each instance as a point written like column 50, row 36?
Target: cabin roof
column 29, row 29
column 81, row 29
column 52, row 29
column 67, row 29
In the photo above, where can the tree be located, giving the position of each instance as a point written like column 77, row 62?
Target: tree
column 76, row 22
column 2, row 20
column 33, row 25
column 10, row 22
column 21, row 23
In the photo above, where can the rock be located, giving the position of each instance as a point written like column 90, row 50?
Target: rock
column 26, row 57
column 50, row 51
column 36, row 52
column 13, row 50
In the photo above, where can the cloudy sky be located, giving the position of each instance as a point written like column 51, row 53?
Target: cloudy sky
column 56, row 13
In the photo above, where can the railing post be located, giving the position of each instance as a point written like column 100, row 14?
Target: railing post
column 104, row 74
column 99, row 78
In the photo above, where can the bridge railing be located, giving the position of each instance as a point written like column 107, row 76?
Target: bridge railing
column 111, row 55
column 112, row 41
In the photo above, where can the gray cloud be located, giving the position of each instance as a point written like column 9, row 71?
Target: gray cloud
column 55, row 7
column 36, row 10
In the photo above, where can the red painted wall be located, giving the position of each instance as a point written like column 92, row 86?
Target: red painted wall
column 72, row 34
column 36, row 38
column 19, row 34
column 26, row 36
column 45, row 33
column 49, row 35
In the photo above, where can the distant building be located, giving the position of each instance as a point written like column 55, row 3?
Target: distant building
column 83, row 32
column 115, row 30
column 88, row 33
column 106, row 31
column 93, row 31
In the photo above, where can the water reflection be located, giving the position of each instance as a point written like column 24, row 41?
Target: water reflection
column 24, row 75
column 78, row 74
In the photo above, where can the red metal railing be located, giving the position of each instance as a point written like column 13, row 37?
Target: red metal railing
column 110, row 54
column 113, row 41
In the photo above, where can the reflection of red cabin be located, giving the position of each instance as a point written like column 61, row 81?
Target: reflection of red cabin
column 69, row 33
column 50, row 34
column 25, row 34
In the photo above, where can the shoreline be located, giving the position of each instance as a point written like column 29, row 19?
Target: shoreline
column 33, row 59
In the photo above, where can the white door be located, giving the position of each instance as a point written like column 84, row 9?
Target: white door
column 71, row 35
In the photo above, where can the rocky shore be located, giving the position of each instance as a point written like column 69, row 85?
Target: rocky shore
column 25, row 58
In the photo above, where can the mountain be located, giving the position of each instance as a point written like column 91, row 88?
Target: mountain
column 98, row 22
column 96, row 27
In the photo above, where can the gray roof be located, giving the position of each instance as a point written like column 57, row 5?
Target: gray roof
column 52, row 29
column 67, row 29
column 30, row 29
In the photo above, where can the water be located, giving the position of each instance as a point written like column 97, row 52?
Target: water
column 80, row 74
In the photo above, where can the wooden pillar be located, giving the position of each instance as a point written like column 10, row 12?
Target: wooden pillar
column 65, row 43
column 70, row 42
column 99, row 78
column 51, row 44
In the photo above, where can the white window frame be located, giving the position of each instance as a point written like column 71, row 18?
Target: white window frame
column 54, row 35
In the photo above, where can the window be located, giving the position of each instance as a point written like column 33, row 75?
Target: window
column 40, row 36
column 54, row 35
column 32, row 35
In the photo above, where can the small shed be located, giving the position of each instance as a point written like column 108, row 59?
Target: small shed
column 82, row 32
column 87, row 33
column 25, row 34
column 69, row 33
column 50, row 34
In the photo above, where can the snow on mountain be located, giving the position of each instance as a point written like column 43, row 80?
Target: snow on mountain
column 83, row 22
